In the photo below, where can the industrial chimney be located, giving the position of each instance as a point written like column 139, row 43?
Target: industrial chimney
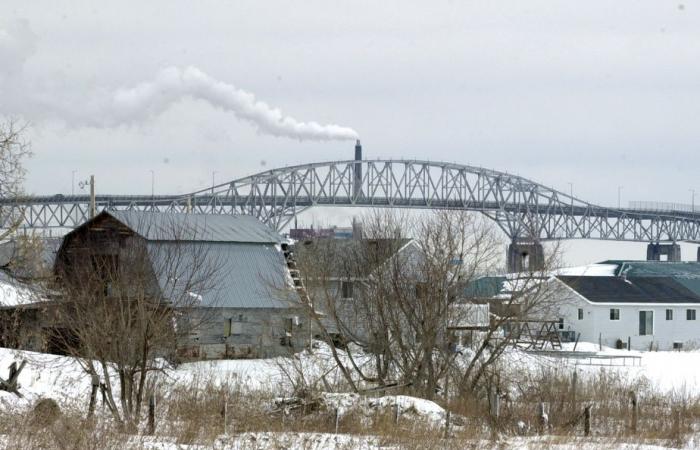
column 357, row 182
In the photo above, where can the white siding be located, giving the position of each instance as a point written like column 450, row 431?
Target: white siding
column 596, row 322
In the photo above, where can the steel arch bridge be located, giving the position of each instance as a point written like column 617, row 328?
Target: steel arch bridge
column 523, row 209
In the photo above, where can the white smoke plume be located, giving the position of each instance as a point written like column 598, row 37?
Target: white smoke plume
column 44, row 97
column 148, row 99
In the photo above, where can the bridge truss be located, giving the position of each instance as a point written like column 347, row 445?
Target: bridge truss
column 523, row 209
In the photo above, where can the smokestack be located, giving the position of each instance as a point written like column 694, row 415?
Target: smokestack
column 357, row 182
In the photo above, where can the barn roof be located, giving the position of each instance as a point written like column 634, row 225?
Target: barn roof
column 159, row 226
column 247, row 268
column 243, row 275
column 602, row 289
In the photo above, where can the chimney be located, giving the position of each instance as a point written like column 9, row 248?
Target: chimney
column 357, row 182
column 358, row 151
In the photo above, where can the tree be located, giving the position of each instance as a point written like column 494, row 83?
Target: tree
column 403, row 292
column 127, row 302
column 14, row 149
column 395, row 327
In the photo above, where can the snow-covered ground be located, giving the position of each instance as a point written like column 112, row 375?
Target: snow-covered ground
column 62, row 379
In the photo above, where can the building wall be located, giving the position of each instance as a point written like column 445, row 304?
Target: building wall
column 596, row 323
column 222, row 333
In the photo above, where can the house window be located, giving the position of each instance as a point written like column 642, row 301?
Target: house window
column 346, row 289
column 614, row 314
column 690, row 314
column 561, row 324
column 580, row 314
column 646, row 323
column 669, row 314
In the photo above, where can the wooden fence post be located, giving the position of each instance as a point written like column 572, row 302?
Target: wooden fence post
column 543, row 417
column 447, row 423
column 633, row 403
column 495, row 404
column 574, row 387
column 587, row 420
column 93, row 395
column 152, row 414
column 225, row 414
column 337, row 419
column 103, row 390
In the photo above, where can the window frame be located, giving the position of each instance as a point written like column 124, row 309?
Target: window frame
column 580, row 314
column 669, row 313
column 646, row 332
column 614, row 314
column 690, row 314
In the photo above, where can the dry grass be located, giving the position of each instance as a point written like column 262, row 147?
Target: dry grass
column 194, row 414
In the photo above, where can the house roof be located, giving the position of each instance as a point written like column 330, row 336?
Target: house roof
column 158, row 226
column 656, row 268
column 349, row 257
column 485, row 287
column 605, row 289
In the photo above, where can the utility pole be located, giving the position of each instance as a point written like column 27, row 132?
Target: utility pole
column 213, row 182
column 153, row 190
column 693, row 200
column 93, row 203
column 72, row 182
column 619, row 192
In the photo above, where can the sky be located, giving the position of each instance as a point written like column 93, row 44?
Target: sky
column 599, row 97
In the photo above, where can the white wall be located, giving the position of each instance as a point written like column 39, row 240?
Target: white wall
column 596, row 322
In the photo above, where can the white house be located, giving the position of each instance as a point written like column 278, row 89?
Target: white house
column 656, row 312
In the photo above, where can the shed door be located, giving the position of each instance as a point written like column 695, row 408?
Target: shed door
column 646, row 323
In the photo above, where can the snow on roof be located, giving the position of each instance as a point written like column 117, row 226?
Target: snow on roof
column 14, row 293
column 591, row 270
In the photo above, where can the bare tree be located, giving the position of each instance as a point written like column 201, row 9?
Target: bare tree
column 392, row 303
column 126, row 304
column 403, row 292
column 14, row 149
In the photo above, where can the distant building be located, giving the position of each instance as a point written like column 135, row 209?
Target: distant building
column 337, row 273
column 252, row 309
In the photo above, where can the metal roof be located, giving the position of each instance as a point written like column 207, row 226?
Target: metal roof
column 158, row 226
column 604, row 289
column 245, row 275
column 484, row 287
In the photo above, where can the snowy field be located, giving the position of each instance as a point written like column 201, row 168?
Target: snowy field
column 62, row 379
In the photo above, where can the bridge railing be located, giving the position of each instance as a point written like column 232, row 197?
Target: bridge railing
column 664, row 206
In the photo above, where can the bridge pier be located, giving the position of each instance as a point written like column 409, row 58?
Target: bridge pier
column 671, row 251
column 524, row 256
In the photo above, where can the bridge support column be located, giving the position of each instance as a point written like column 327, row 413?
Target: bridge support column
column 671, row 251
column 524, row 256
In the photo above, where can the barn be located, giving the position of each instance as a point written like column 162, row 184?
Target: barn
column 249, row 307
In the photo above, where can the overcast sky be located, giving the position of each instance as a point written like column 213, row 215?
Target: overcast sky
column 599, row 94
